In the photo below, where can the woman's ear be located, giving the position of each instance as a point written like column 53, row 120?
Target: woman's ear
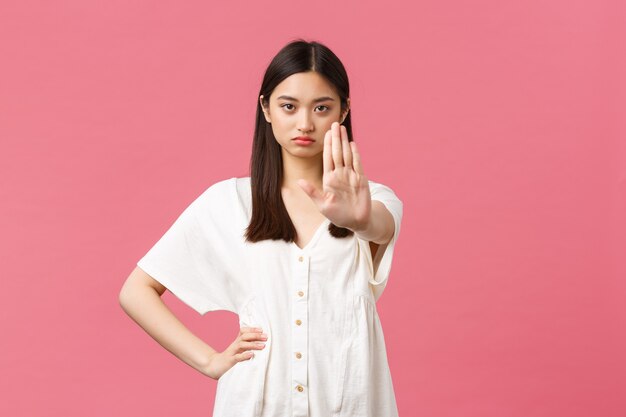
column 266, row 111
column 345, row 114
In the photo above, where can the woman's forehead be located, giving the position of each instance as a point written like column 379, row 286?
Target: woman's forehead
column 305, row 86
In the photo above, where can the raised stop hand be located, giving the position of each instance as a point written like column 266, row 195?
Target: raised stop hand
column 345, row 198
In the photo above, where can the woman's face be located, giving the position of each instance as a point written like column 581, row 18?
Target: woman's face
column 303, row 104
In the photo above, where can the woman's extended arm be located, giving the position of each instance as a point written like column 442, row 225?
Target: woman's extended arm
column 140, row 298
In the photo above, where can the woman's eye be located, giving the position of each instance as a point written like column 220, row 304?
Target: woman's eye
column 285, row 106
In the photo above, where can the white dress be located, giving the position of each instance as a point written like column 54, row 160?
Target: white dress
column 325, row 354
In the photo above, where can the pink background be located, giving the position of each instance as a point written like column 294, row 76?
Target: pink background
column 501, row 126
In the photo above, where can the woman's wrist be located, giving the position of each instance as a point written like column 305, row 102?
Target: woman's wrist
column 204, row 364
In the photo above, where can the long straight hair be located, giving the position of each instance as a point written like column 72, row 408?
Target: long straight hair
column 270, row 219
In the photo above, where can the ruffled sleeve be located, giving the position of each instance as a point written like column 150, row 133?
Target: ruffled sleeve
column 381, row 264
column 191, row 258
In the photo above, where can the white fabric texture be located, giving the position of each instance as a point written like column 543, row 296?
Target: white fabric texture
column 333, row 363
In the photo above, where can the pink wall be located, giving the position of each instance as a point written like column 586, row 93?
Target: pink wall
column 501, row 127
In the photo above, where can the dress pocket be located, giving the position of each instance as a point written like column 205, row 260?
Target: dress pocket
column 347, row 340
column 359, row 360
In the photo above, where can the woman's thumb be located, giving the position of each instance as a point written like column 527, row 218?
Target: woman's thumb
column 310, row 190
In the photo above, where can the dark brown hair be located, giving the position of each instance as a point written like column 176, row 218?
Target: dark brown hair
column 270, row 219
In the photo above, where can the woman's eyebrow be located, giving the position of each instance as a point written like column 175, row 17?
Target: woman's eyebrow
column 317, row 100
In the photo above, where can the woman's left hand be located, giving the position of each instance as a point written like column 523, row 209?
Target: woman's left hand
column 345, row 199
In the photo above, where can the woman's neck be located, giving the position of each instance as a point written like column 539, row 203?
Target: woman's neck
column 294, row 168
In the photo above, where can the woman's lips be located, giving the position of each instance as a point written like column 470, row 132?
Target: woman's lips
column 303, row 140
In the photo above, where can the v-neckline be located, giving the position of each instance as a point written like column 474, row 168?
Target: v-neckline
column 316, row 234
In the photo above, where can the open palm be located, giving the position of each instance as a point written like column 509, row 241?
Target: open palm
column 345, row 198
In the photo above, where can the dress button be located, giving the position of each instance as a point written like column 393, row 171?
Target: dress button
column 298, row 355
column 301, row 259
column 298, row 322
column 300, row 388
column 300, row 293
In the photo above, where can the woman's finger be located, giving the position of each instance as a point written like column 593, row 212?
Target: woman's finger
column 345, row 146
column 253, row 336
column 243, row 346
column 336, row 138
column 243, row 330
column 240, row 357
column 328, row 153
column 356, row 158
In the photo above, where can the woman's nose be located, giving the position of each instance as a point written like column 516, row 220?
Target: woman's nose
column 305, row 123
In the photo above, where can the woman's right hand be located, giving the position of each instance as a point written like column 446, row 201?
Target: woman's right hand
column 247, row 339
